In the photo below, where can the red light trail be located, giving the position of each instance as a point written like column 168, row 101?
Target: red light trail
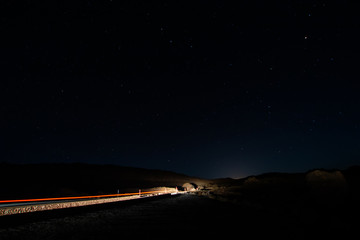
column 80, row 197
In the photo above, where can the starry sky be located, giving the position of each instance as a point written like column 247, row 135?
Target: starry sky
column 205, row 88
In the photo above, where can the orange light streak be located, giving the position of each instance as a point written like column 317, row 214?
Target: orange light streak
column 81, row 197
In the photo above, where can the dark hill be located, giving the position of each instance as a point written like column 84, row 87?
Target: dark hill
column 51, row 180
column 318, row 186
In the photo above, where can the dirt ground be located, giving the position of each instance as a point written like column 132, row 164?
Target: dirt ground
column 182, row 215
column 314, row 205
column 176, row 215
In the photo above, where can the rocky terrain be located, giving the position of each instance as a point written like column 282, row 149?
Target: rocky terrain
column 325, row 202
column 316, row 204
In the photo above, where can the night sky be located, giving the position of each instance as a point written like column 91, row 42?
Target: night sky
column 204, row 88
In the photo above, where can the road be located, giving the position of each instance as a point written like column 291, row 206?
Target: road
column 182, row 214
column 10, row 207
column 185, row 216
column 18, row 204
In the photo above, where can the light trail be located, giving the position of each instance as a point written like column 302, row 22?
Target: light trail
column 81, row 197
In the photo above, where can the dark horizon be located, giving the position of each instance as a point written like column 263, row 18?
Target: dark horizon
column 207, row 88
column 86, row 164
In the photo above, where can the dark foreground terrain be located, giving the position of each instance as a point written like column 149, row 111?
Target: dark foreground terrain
column 188, row 216
column 319, row 204
column 164, row 218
